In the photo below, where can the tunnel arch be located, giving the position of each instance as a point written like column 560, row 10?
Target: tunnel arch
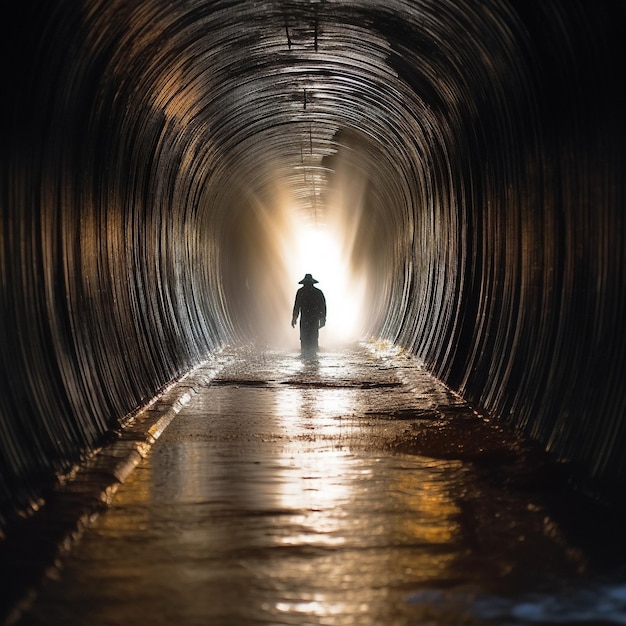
column 152, row 148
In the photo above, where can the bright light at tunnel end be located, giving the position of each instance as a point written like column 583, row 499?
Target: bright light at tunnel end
column 322, row 252
column 289, row 241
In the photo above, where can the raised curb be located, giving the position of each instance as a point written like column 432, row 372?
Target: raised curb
column 34, row 548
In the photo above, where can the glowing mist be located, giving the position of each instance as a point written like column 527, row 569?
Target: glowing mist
column 294, row 244
column 320, row 251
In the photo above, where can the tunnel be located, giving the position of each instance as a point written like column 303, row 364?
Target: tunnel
column 451, row 171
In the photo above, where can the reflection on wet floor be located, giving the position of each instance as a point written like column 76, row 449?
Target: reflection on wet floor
column 287, row 492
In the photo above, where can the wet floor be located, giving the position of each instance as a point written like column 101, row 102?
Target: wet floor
column 352, row 490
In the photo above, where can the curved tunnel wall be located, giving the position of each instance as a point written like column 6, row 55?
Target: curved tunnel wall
column 144, row 144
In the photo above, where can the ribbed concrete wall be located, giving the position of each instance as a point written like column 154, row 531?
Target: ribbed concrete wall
column 143, row 144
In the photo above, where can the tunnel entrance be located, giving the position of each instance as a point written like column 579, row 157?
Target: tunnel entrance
column 455, row 167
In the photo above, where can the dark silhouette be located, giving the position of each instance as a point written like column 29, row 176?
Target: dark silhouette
column 310, row 305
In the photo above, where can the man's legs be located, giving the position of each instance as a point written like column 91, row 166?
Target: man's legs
column 309, row 334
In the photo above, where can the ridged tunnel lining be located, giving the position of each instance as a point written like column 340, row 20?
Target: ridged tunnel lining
column 145, row 145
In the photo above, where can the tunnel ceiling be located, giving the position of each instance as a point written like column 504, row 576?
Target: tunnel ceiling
column 148, row 144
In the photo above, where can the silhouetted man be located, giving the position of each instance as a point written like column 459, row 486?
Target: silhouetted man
column 310, row 305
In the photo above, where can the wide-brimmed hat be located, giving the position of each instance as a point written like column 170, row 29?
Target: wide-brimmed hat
column 308, row 280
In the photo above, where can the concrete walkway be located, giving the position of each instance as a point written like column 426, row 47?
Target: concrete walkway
column 355, row 489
